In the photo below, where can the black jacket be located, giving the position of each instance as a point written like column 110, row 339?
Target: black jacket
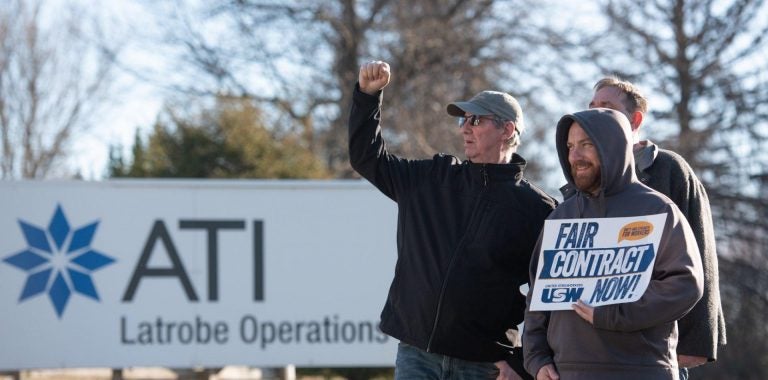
column 464, row 237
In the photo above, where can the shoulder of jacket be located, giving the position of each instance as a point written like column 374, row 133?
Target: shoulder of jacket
column 443, row 158
column 675, row 168
column 547, row 200
column 566, row 209
column 644, row 194
column 673, row 160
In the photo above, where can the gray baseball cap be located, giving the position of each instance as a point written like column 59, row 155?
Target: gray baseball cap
column 496, row 103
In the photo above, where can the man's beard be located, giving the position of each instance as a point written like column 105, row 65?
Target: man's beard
column 587, row 181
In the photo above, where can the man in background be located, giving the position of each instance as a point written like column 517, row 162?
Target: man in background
column 702, row 330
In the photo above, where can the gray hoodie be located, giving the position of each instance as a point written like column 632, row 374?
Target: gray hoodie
column 635, row 340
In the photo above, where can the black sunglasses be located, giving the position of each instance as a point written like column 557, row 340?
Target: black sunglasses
column 474, row 120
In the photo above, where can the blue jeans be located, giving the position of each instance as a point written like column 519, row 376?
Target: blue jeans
column 414, row 363
column 683, row 373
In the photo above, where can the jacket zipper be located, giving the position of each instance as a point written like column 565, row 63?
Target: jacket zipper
column 475, row 215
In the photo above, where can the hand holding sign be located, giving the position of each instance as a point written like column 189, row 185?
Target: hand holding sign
column 548, row 372
column 585, row 311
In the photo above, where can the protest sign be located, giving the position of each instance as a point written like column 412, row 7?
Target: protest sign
column 600, row 261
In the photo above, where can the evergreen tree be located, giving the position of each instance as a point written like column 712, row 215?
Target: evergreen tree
column 228, row 140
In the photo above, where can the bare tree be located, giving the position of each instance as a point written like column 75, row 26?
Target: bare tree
column 745, row 301
column 447, row 51
column 50, row 85
column 703, row 60
column 286, row 56
column 300, row 58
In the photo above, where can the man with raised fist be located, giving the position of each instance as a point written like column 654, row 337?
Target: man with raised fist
column 466, row 230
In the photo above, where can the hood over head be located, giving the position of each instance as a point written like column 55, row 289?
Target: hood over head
column 612, row 135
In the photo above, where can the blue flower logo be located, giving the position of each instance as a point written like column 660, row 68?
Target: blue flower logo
column 58, row 261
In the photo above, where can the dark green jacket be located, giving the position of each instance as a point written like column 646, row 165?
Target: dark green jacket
column 702, row 330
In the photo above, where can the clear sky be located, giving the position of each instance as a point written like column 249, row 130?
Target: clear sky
column 115, row 126
column 134, row 104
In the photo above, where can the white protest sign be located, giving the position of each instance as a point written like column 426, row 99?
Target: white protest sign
column 600, row 261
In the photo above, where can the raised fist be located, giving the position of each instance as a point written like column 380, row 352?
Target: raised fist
column 374, row 76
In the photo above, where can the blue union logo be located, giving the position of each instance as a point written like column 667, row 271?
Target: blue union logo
column 58, row 261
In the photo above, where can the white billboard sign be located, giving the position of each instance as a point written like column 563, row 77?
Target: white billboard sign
column 194, row 273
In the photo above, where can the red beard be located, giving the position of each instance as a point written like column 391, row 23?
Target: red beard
column 587, row 178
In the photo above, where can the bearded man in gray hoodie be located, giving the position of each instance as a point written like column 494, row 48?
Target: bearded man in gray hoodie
column 629, row 340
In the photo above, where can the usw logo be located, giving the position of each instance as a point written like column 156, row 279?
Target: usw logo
column 558, row 295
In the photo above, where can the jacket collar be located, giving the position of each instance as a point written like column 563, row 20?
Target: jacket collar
column 645, row 154
column 513, row 170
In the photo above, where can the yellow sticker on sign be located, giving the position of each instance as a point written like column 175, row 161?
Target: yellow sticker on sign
column 635, row 231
